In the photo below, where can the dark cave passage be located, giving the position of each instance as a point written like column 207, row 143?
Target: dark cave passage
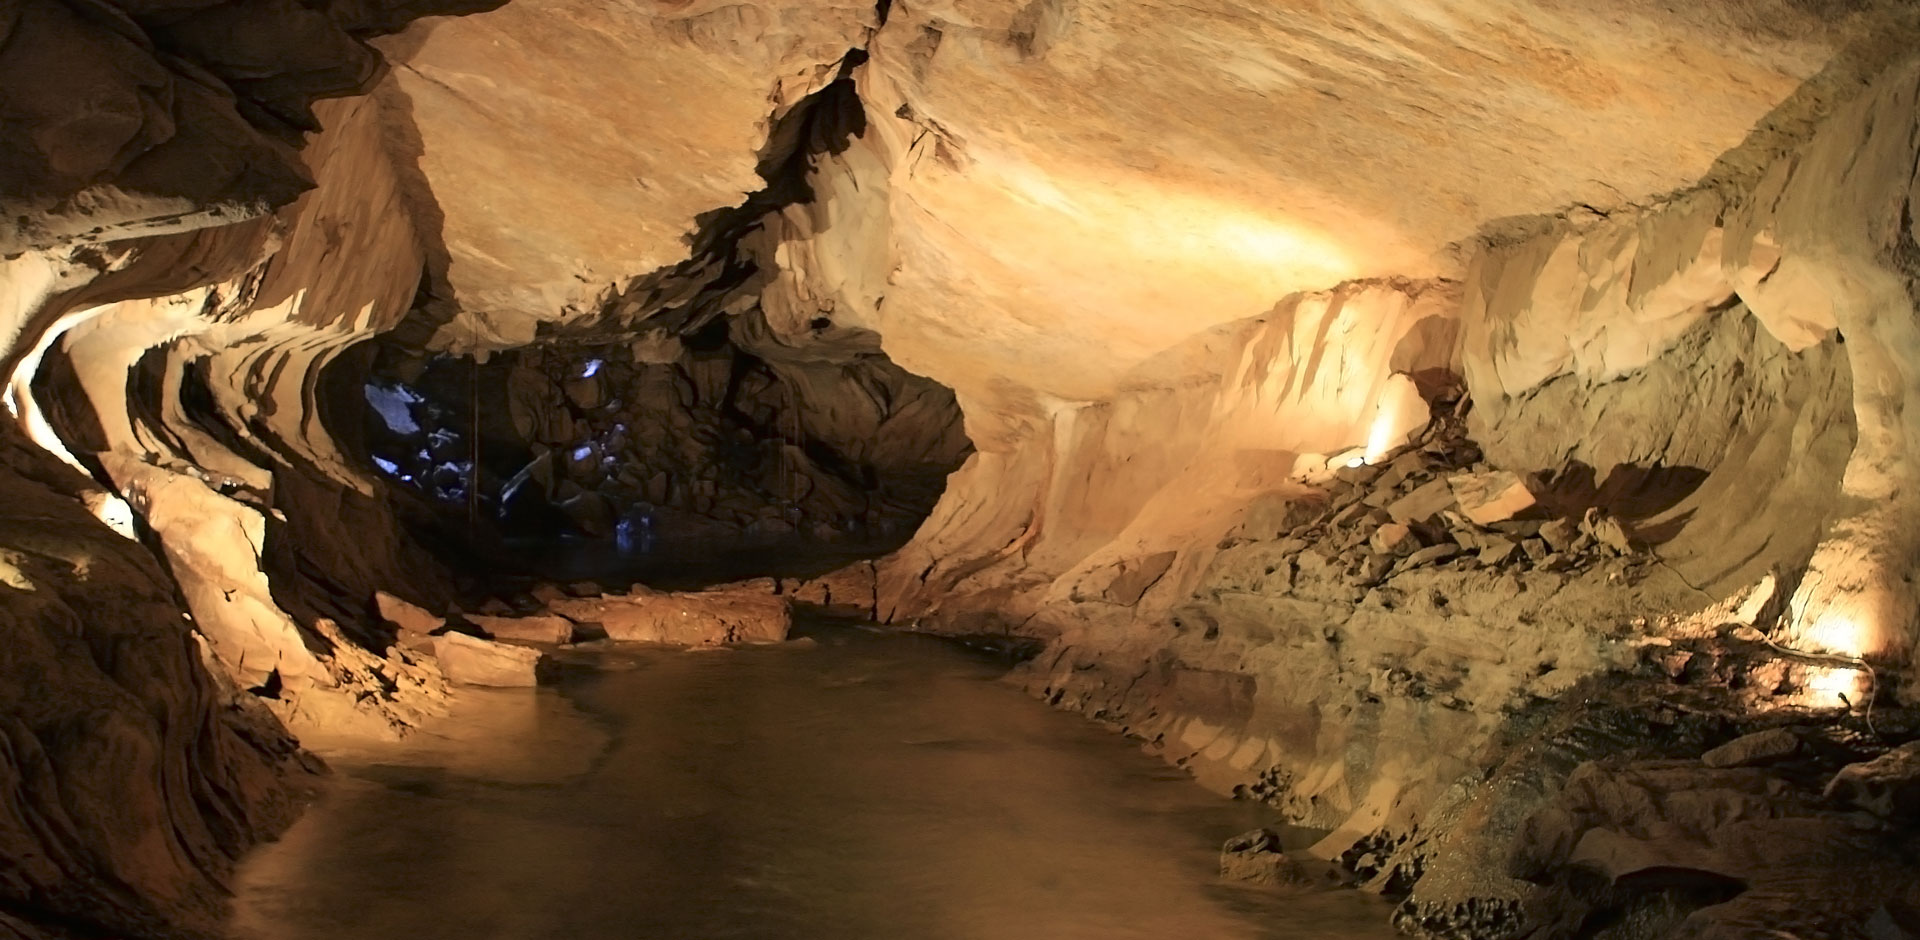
column 672, row 462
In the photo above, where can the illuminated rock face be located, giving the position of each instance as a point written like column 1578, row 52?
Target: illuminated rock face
column 1231, row 299
column 542, row 181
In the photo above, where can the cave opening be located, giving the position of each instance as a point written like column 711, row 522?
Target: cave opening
column 682, row 462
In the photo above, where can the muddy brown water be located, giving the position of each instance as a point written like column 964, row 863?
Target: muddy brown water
column 857, row 785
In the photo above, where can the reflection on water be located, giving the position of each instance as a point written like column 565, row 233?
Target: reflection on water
column 869, row 786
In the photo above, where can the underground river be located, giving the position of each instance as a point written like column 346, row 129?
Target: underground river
column 848, row 785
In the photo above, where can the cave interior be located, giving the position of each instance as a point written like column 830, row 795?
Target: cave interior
column 1471, row 434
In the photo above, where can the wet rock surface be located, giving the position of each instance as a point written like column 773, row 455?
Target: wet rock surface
column 134, row 775
column 470, row 660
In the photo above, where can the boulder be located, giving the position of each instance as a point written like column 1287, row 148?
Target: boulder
column 1394, row 538
column 1256, row 857
column 1497, row 549
column 472, row 661
column 1754, row 750
column 1560, row 534
column 1426, row 501
column 1490, row 497
column 1607, row 531
column 705, row 618
column 405, row 616
column 1887, row 786
column 847, row 592
column 1432, row 554
column 539, row 628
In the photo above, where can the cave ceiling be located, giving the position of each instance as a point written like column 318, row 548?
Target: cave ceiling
column 1061, row 189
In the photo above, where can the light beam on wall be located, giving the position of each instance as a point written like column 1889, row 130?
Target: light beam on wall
column 19, row 400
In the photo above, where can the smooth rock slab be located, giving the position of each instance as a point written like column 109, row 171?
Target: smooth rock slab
column 1495, row 496
column 405, row 616
column 472, row 661
column 539, row 628
column 1754, row 750
column 704, row 618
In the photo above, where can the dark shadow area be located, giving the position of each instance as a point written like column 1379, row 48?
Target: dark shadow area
column 597, row 463
column 1628, row 492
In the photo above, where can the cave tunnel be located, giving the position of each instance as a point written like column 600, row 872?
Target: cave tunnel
column 989, row 470
column 679, row 463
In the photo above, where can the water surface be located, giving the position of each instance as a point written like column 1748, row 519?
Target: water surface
column 854, row 786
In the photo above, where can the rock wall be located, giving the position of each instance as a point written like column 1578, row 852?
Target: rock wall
column 133, row 776
column 1479, row 449
column 1719, row 371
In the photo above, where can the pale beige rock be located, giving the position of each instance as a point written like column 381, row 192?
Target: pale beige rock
column 1495, row 496
column 1888, row 785
column 709, row 618
column 469, row 660
column 539, row 628
column 1394, row 538
column 521, row 122
column 847, row 591
column 1755, row 750
column 1426, row 501
column 405, row 616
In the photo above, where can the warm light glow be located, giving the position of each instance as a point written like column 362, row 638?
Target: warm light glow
column 1399, row 412
column 114, row 511
column 19, row 395
column 19, row 401
column 1377, row 439
column 1838, row 633
column 1837, row 687
column 1357, row 462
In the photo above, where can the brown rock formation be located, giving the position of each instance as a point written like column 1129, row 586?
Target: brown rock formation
column 1348, row 388
column 704, row 618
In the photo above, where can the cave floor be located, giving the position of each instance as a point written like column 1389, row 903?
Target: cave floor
column 849, row 785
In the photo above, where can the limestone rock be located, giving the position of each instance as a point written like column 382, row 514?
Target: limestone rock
column 1887, row 786
column 406, row 617
column 847, row 592
column 1425, row 502
column 1495, row 496
column 1394, row 538
column 1136, row 575
column 708, row 618
column 1257, row 857
column 540, row 628
column 1608, row 531
column 1560, row 534
column 1755, row 750
column 1432, row 554
column 472, row 661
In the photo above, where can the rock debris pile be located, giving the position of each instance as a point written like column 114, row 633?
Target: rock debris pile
column 505, row 642
column 1436, row 503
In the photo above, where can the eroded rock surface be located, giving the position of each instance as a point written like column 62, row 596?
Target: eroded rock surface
column 135, row 777
column 1348, row 389
column 702, row 618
